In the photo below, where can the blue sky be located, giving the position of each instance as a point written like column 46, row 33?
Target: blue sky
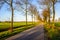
column 57, row 9
column 5, row 13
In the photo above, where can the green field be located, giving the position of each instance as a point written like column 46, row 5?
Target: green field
column 6, row 34
column 5, row 25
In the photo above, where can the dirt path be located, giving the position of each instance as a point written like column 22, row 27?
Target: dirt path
column 35, row 33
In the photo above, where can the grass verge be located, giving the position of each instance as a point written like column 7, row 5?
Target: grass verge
column 52, row 33
column 6, row 34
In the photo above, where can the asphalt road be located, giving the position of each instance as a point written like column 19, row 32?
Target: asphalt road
column 35, row 33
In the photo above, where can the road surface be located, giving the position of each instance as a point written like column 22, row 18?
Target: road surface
column 35, row 33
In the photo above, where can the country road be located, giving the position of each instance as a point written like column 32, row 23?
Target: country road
column 35, row 33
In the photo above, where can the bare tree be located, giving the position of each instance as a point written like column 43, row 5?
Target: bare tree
column 53, row 3
column 34, row 12
column 23, row 3
column 11, row 5
column 53, row 6
column 26, row 10
column 46, row 5
column 31, row 12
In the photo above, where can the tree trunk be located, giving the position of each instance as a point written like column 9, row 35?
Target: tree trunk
column 26, row 12
column 32, row 19
column 11, row 28
column 53, row 13
column 49, row 16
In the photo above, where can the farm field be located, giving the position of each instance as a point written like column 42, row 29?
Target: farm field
column 5, row 25
column 18, row 27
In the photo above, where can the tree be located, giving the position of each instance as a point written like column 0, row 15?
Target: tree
column 34, row 12
column 31, row 9
column 53, row 6
column 26, row 10
column 23, row 3
column 10, row 3
column 12, row 10
column 46, row 5
column 53, row 3
column 45, row 14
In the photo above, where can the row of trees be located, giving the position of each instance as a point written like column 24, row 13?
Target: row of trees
column 32, row 9
column 20, row 3
column 48, row 9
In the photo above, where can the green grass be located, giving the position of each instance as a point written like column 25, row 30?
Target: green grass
column 6, row 34
column 5, row 25
column 57, row 24
column 53, row 32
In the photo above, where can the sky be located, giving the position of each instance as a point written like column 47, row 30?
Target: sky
column 5, row 13
column 57, row 10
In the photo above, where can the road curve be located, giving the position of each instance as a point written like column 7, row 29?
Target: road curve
column 35, row 33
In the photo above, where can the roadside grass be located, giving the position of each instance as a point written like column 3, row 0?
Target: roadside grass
column 20, row 28
column 6, row 34
column 57, row 24
column 52, row 33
